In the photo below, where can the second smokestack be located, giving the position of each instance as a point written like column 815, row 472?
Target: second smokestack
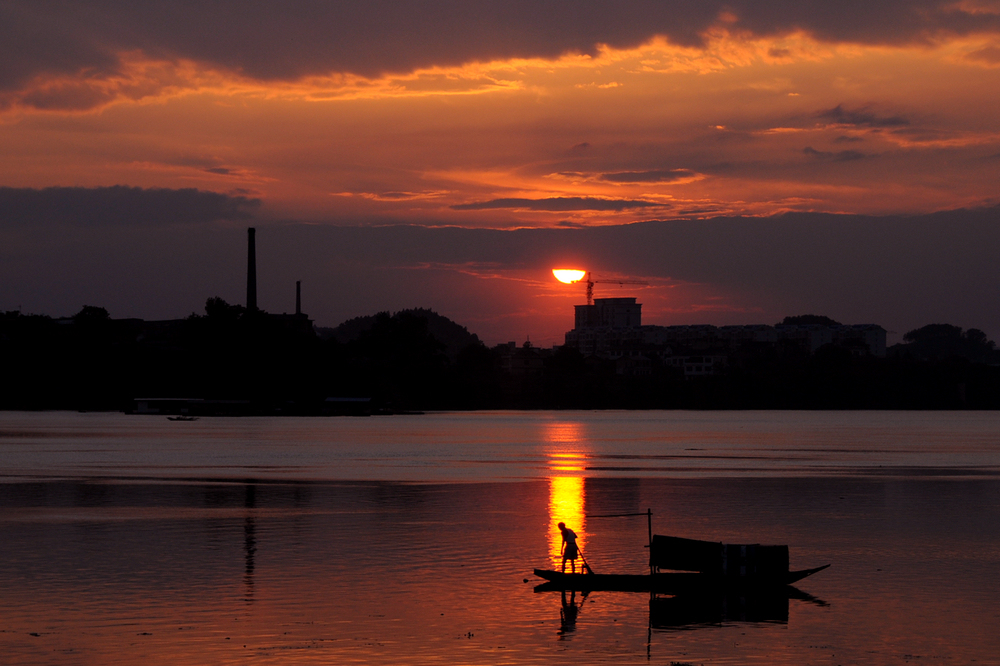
column 251, row 270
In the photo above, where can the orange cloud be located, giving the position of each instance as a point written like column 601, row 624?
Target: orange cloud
column 739, row 124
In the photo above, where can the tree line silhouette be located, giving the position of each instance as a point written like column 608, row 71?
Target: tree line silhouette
column 419, row 360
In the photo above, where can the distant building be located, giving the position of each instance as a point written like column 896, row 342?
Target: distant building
column 295, row 323
column 808, row 336
column 609, row 328
column 612, row 329
column 634, row 366
column 699, row 366
column 521, row 361
column 609, row 313
column 871, row 336
column 749, row 334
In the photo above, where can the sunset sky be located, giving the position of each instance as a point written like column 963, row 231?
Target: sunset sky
column 749, row 160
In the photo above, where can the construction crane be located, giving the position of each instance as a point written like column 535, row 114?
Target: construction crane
column 591, row 282
column 571, row 276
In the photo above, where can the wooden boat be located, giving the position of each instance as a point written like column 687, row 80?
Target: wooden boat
column 695, row 565
column 661, row 582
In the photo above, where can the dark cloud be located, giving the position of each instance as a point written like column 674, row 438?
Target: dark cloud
column 118, row 206
column 924, row 134
column 839, row 156
column 848, row 139
column 559, row 204
column 863, row 117
column 271, row 40
column 222, row 171
column 72, row 96
column 707, row 210
column 35, row 38
column 399, row 195
column 655, row 176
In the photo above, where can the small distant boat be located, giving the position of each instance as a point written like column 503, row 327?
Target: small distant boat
column 693, row 566
column 182, row 418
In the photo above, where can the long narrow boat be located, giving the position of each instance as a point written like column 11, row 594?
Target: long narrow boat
column 663, row 583
column 693, row 565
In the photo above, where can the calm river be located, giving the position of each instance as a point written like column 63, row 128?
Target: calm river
column 412, row 539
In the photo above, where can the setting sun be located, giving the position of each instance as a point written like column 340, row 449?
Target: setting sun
column 568, row 275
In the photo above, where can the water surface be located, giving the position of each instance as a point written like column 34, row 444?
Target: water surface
column 407, row 540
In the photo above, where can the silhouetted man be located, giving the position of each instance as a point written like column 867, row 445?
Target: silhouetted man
column 570, row 550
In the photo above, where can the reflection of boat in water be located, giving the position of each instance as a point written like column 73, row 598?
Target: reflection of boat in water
column 694, row 566
column 182, row 418
column 723, row 606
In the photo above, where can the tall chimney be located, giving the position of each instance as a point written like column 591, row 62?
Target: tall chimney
column 298, row 297
column 251, row 271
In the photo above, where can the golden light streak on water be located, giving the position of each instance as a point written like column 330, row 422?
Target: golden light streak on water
column 567, row 496
column 566, row 504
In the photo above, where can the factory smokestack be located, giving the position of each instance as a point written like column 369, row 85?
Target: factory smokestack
column 298, row 297
column 251, row 271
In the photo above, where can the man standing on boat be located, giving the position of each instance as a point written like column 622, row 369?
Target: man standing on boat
column 570, row 550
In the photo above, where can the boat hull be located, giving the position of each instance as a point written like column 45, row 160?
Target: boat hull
column 662, row 583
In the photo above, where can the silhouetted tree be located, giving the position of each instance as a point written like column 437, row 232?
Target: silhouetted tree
column 279, row 366
column 809, row 320
column 90, row 314
column 218, row 308
column 943, row 341
column 934, row 332
column 399, row 361
column 477, row 378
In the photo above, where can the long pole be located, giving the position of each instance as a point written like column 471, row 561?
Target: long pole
column 584, row 558
column 649, row 524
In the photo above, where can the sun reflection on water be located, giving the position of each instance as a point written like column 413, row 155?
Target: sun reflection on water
column 566, row 461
